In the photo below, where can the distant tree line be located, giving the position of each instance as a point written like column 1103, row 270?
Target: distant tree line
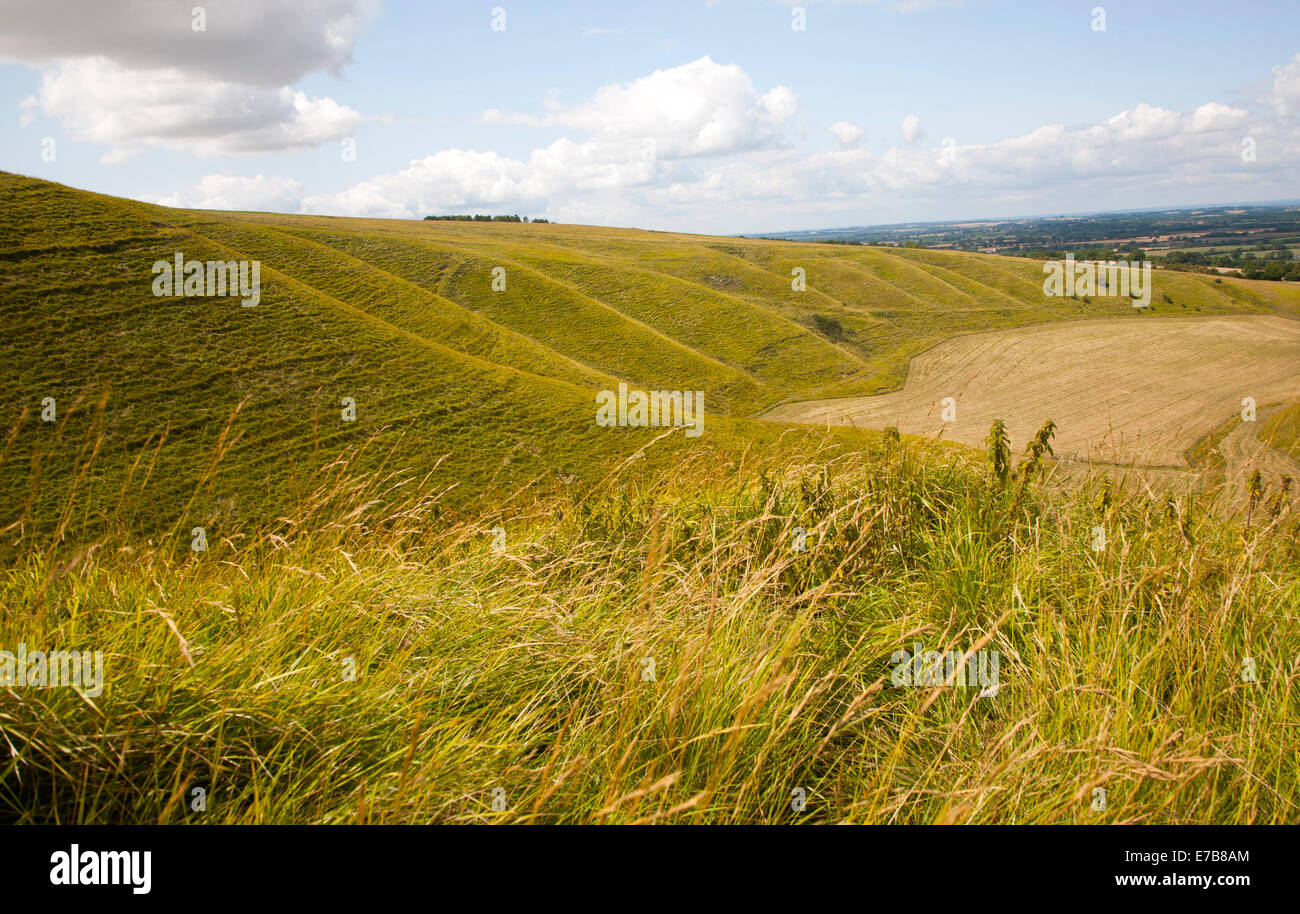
column 1103, row 254
column 1189, row 228
column 482, row 218
column 1271, row 267
column 1269, row 259
column 1274, row 261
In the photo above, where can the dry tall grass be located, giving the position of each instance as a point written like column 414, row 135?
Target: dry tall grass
column 655, row 649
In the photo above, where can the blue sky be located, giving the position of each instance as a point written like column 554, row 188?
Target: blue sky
column 692, row 116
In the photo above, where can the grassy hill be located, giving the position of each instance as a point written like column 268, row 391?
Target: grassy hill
column 475, row 604
column 209, row 413
column 657, row 650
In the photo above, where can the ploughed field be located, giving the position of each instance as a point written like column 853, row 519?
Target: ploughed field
column 1131, row 392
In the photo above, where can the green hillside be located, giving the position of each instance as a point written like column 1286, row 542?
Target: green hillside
column 201, row 412
column 474, row 604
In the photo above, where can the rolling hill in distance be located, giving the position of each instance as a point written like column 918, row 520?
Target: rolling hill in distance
column 402, row 317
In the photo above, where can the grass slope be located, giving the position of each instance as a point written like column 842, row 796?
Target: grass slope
column 401, row 316
column 668, row 656
column 199, row 412
column 368, row 548
column 1282, row 430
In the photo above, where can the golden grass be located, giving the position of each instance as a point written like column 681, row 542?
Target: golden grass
column 526, row 669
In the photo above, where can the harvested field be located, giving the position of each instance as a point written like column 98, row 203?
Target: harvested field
column 1221, row 468
column 1138, row 391
column 1241, row 451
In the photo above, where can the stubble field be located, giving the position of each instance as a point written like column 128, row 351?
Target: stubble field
column 1128, row 392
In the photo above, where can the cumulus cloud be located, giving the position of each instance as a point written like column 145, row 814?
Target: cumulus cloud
column 135, row 74
column 450, row 179
column 846, row 134
column 637, row 133
column 1285, row 97
column 1142, row 144
column 911, row 128
column 697, row 109
column 254, row 42
column 1126, row 160
column 235, row 192
column 99, row 101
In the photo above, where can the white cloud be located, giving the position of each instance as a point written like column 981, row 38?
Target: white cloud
column 699, row 108
column 846, row 134
column 1126, row 160
column 135, row 74
column 1285, row 97
column 450, row 179
column 911, row 128
column 640, row 133
column 130, row 111
column 233, row 192
column 253, row 42
column 1213, row 116
column 1144, row 122
column 1144, row 142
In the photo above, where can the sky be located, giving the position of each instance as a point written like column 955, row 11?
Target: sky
column 711, row 116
